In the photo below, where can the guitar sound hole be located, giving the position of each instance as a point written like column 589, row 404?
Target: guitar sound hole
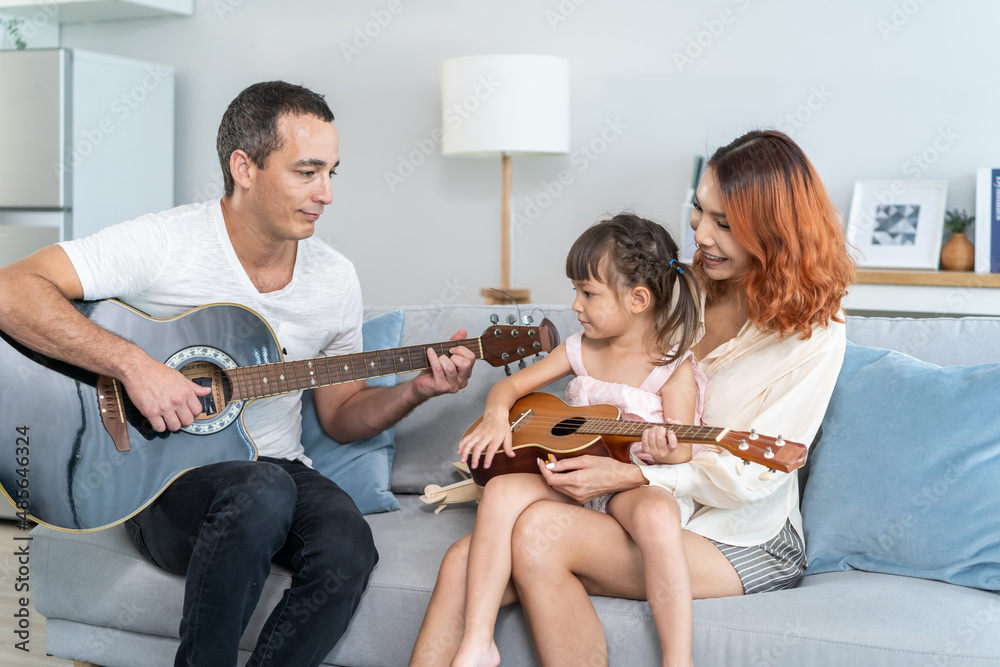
column 207, row 374
column 567, row 426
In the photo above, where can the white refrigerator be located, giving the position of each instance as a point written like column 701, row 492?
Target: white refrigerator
column 86, row 140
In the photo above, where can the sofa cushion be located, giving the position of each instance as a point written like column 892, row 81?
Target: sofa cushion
column 903, row 480
column 361, row 468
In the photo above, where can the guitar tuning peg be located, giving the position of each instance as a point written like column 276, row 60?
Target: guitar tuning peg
column 511, row 319
column 527, row 320
column 494, row 318
column 506, row 369
column 521, row 365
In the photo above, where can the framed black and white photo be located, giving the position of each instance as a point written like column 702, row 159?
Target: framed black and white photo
column 897, row 224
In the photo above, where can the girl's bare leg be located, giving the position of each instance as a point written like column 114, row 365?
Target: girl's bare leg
column 504, row 498
column 652, row 519
column 562, row 553
column 441, row 630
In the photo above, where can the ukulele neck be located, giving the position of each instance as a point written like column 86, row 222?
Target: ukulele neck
column 633, row 429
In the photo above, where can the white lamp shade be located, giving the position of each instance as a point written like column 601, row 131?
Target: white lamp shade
column 495, row 104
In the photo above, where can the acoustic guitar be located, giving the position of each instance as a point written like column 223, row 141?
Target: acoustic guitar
column 76, row 455
column 543, row 424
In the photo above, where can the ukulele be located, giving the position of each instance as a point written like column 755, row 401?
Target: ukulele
column 76, row 455
column 542, row 424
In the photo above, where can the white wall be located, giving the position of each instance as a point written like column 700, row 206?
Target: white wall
column 889, row 81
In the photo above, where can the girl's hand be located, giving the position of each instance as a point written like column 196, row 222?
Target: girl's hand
column 660, row 444
column 584, row 478
column 492, row 433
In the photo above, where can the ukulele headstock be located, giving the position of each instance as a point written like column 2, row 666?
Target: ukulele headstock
column 775, row 453
column 504, row 344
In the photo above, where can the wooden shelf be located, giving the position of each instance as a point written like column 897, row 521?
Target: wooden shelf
column 934, row 278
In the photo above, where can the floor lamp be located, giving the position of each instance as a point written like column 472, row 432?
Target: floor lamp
column 505, row 105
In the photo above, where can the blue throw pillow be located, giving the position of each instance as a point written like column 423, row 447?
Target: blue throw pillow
column 904, row 478
column 361, row 468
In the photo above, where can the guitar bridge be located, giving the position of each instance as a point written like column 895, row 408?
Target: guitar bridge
column 111, row 401
column 521, row 420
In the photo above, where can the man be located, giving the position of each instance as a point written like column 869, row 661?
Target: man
column 222, row 525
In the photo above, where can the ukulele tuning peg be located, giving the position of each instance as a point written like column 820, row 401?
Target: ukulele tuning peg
column 779, row 442
column 506, row 369
column 527, row 320
column 494, row 318
column 511, row 319
column 521, row 365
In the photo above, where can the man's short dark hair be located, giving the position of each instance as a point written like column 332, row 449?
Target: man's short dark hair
column 251, row 121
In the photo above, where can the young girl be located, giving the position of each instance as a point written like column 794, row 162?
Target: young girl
column 639, row 308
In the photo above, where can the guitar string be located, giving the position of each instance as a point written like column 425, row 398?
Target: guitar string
column 612, row 423
column 251, row 378
column 257, row 381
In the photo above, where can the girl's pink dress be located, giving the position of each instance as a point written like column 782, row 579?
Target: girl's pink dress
column 642, row 403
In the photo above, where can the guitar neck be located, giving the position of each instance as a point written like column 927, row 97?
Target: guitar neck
column 706, row 435
column 250, row 382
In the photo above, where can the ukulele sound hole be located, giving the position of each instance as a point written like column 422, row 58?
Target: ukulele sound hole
column 207, row 374
column 567, row 426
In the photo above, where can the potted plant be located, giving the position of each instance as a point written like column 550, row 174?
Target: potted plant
column 13, row 27
column 958, row 254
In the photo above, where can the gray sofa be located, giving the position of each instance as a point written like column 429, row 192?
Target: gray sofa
column 106, row 605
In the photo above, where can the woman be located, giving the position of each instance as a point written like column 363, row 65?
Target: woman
column 776, row 267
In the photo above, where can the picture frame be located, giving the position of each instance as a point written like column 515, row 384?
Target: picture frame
column 897, row 224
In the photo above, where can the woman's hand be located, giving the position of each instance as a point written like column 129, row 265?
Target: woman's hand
column 492, row 433
column 584, row 478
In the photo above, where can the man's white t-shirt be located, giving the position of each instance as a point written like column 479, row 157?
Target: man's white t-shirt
column 167, row 263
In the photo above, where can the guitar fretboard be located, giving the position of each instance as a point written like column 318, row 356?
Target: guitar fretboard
column 701, row 434
column 250, row 382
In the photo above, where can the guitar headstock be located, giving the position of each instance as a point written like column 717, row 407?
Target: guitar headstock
column 504, row 344
column 775, row 453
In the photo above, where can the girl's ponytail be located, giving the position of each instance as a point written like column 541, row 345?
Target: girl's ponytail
column 679, row 316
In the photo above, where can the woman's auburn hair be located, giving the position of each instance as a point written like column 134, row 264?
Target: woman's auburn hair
column 780, row 214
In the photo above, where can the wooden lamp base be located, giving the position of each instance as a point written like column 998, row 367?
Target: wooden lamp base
column 495, row 298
